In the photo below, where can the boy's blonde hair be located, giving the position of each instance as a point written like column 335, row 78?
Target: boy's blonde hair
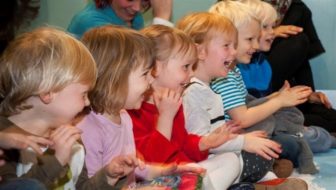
column 169, row 42
column 44, row 60
column 117, row 51
column 238, row 13
column 203, row 26
column 263, row 11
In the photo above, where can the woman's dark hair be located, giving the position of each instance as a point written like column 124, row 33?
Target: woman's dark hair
column 13, row 15
column 103, row 3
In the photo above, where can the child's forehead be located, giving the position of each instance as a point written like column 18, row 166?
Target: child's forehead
column 223, row 36
column 189, row 55
column 249, row 26
column 268, row 21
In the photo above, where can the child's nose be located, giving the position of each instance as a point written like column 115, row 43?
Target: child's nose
column 233, row 52
column 255, row 44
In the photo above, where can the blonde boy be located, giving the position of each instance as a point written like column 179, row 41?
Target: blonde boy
column 44, row 79
column 248, row 43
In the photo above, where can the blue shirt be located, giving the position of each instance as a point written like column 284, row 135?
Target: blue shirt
column 257, row 75
column 91, row 17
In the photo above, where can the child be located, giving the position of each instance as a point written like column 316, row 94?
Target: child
column 159, row 130
column 123, row 78
column 45, row 76
column 234, row 95
column 257, row 77
column 215, row 37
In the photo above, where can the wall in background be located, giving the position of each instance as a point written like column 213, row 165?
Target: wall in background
column 59, row 13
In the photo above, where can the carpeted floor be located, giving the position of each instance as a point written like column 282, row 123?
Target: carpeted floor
column 326, row 178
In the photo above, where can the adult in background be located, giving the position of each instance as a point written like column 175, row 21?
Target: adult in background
column 120, row 12
column 296, row 43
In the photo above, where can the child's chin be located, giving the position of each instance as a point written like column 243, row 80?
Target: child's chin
column 245, row 61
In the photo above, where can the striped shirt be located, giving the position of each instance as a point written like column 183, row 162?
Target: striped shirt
column 232, row 90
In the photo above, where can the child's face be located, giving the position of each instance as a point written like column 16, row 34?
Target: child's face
column 220, row 53
column 176, row 73
column 266, row 36
column 138, row 84
column 248, row 41
column 126, row 9
column 68, row 102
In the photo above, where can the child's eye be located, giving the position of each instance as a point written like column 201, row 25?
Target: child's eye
column 185, row 67
column 145, row 73
column 226, row 45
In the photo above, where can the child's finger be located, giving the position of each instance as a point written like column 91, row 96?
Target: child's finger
column 59, row 131
column 130, row 160
column 263, row 154
column 270, row 153
column 70, row 135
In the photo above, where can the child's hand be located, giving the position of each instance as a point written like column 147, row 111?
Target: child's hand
column 21, row 141
column 188, row 168
column 285, row 86
column 256, row 142
column 233, row 126
column 216, row 138
column 119, row 167
column 284, row 31
column 64, row 138
column 319, row 98
column 167, row 102
column 293, row 96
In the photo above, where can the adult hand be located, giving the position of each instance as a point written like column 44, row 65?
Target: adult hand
column 162, row 8
column 284, row 31
column 320, row 98
column 9, row 139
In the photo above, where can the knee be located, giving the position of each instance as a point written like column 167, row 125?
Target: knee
column 290, row 146
column 318, row 139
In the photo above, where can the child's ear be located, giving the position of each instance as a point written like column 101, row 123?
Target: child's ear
column 157, row 68
column 201, row 51
column 46, row 97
